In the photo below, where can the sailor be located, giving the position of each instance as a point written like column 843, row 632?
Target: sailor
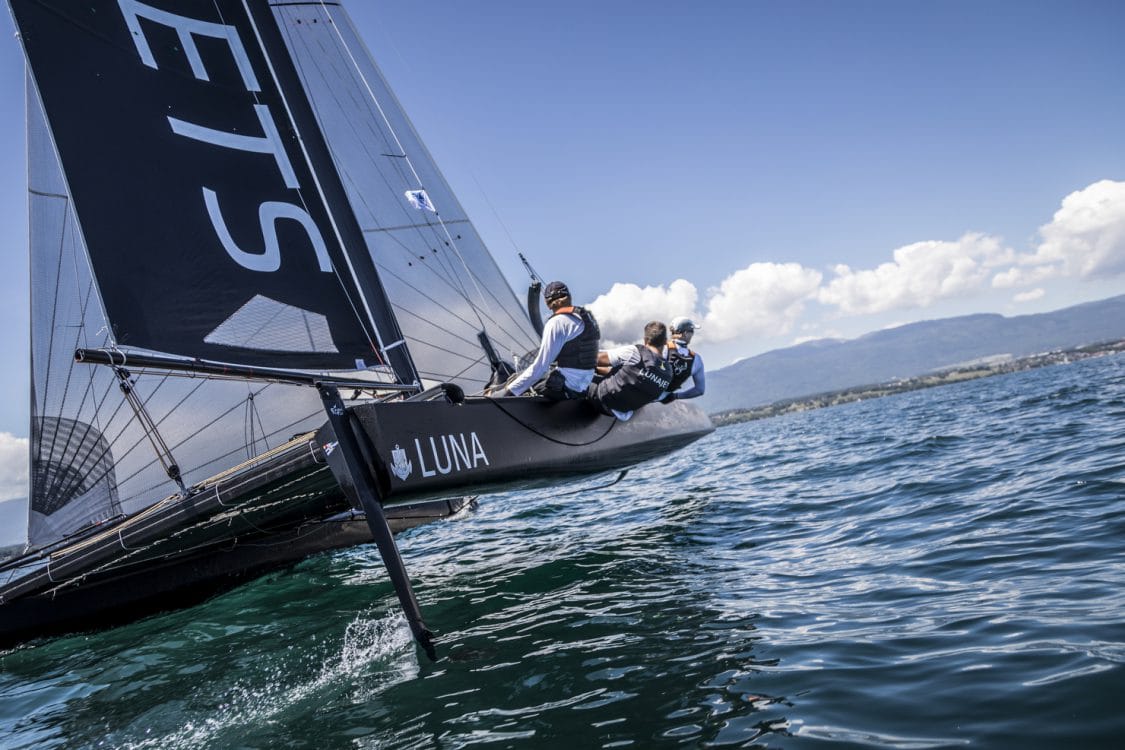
column 637, row 375
column 570, row 342
column 685, row 362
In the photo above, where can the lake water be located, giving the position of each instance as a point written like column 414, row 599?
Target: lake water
column 943, row 568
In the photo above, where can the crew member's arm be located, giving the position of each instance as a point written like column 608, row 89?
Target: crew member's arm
column 603, row 367
column 698, row 381
column 557, row 331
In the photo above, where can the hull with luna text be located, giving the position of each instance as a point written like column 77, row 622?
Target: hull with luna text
column 270, row 513
column 435, row 448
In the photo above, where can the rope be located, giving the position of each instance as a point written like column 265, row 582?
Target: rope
column 526, row 426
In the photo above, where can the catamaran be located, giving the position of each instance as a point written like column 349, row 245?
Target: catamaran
column 261, row 321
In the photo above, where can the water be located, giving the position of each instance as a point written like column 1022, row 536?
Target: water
column 943, row 568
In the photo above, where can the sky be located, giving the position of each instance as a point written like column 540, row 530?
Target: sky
column 779, row 171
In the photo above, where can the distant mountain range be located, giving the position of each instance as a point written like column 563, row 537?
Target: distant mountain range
column 907, row 351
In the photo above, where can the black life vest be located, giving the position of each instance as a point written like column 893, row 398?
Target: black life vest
column 681, row 365
column 634, row 385
column 580, row 353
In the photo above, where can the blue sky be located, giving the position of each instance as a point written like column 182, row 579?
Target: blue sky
column 728, row 159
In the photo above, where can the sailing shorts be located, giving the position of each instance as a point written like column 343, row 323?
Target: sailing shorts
column 554, row 388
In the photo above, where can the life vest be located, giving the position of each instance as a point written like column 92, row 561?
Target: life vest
column 580, row 353
column 634, row 385
column 681, row 365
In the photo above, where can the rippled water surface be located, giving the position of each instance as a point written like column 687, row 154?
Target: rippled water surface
column 943, row 568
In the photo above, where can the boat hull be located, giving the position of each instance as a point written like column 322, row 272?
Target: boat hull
column 178, row 552
column 424, row 457
column 431, row 448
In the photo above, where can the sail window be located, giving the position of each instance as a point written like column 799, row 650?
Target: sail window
column 269, row 325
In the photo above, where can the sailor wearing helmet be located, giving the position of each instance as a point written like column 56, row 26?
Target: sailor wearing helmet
column 685, row 363
column 564, row 365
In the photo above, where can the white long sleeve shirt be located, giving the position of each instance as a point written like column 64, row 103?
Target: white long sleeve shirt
column 558, row 330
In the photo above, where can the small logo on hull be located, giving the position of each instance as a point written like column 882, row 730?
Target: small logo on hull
column 400, row 465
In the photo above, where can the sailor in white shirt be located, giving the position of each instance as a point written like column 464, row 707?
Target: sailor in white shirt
column 570, row 341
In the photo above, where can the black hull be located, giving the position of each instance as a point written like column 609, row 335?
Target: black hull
column 434, row 448
column 178, row 552
column 294, row 503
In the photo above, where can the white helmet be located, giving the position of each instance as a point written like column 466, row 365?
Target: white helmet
column 681, row 324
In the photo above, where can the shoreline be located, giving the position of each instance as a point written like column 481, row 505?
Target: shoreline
column 985, row 368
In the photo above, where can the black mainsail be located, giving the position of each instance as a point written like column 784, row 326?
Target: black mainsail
column 189, row 164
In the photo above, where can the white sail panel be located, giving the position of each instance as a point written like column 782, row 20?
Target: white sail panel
column 444, row 285
column 264, row 323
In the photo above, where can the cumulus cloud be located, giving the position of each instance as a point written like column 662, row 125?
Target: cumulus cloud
column 920, row 275
column 1029, row 296
column 1018, row 276
column 1085, row 238
column 623, row 311
column 13, row 466
column 763, row 299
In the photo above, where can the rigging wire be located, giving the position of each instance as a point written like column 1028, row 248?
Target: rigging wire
column 398, row 143
column 380, row 114
column 496, row 215
column 294, row 41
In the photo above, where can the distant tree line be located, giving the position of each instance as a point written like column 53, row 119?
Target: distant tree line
column 930, row 380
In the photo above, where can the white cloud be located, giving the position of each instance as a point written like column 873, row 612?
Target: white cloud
column 13, row 466
column 1030, row 295
column 921, row 274
column 763, row 299
column 1024, row 276
column 1085, row 238
column 623, row 311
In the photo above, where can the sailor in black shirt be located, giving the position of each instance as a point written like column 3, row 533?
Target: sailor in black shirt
column 685, row 362
column 642, row 375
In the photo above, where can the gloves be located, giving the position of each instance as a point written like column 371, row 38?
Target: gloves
column 668, row 399
column 500, row 391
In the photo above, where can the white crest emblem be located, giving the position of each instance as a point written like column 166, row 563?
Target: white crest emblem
column 401, row 466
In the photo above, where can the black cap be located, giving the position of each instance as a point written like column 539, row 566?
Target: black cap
column 555, row 290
